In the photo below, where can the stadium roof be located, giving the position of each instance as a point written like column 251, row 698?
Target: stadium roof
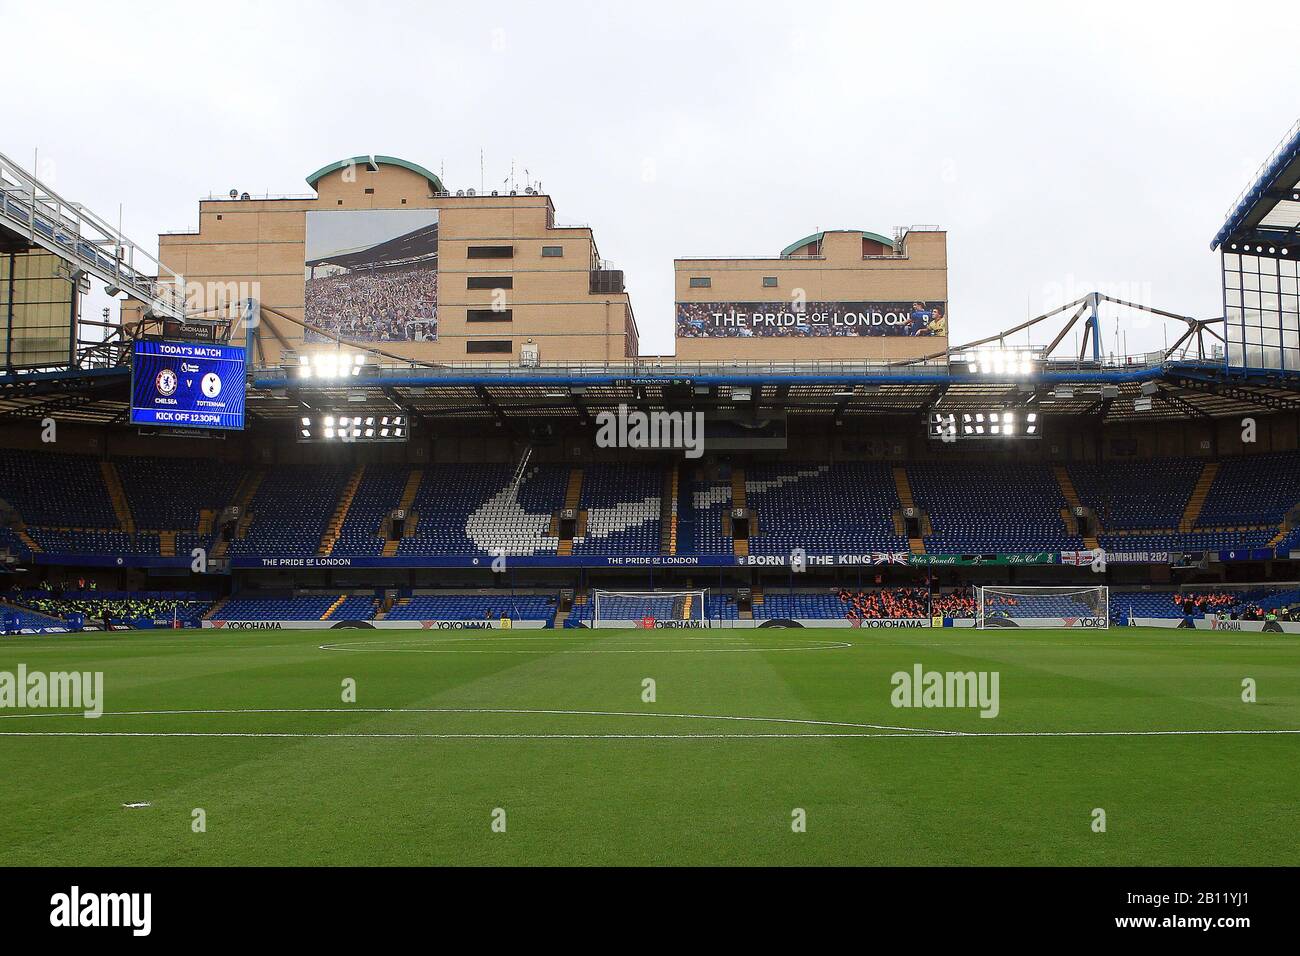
column 372, row 163
column 1187, row 390
column 1268, row 211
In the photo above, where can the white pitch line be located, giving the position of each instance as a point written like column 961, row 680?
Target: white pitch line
column 447, row 736
column 481, row 710
column 887, row 730
column 711, row 736
column 377, row 648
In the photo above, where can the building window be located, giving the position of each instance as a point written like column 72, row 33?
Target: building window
column 769, row 282
column 370, row 190
column 489, row 282
column 479, row 346
column 489, row 315
column 701, row 282
column 552, row 252
column 1261, row 297
column 491, row 252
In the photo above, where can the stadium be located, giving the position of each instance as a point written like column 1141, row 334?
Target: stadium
column 381, row 530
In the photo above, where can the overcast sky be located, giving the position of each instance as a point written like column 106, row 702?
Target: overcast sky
column 1094, row 146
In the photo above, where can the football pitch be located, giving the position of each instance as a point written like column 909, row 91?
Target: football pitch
column 1131, row 746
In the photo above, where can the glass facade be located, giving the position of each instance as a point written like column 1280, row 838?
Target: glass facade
column 36, row 311
column 1261, row 305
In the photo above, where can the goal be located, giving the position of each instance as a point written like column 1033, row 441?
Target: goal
column 1042, row 607
column 662, row 609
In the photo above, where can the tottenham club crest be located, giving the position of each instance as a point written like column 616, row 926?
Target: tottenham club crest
column 211, row 385
column 165, row 382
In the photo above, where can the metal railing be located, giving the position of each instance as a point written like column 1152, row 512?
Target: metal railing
column 1287, row 143
column 69, row 230
column 668, row 370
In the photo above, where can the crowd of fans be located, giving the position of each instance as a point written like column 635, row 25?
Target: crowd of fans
column 58, row 600
column 957, row 603
column 390, row 305
column 903, row 602
column 1228, row 606
column 917, row 602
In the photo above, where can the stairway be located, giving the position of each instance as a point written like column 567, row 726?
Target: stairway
column 1282, row 532
column 903, row 487
column 668, row 512
column 244, row 493
column 167, row 544
column 686, row 607
column 740, row 546
column 383, row 612
column 412, row 488
column 738, row 499
column 333, row 607
column 1196, row 502
column 28, row 541
column 330, row 536
column 117, row 495
column 214, row 613
column 572, row 499
column 1071, row 496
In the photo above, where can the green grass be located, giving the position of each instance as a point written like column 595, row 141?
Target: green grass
column 620, row 796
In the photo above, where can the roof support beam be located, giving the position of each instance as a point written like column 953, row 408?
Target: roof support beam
column 63, row 403
column 491, row 404
column 1240, row 394
column 1182, row 405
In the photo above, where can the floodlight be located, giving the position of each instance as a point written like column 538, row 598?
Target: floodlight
column 991, row 423
column 1000, row 361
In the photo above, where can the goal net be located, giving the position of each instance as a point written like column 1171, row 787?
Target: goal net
column 648, row 609
column 1042, row 607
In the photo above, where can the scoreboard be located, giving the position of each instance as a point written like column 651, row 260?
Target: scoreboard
column 187, row 384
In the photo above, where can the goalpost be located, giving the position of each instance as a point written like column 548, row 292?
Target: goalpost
column 660, row 609
column 1070, row 606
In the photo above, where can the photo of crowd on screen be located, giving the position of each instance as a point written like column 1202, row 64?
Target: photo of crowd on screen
column 372, row 275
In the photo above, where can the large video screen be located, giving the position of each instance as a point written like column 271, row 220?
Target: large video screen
column 371, row 275
column 187, row 384
column 703, row 320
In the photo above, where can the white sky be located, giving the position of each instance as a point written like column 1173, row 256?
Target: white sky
column 1097, row 146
